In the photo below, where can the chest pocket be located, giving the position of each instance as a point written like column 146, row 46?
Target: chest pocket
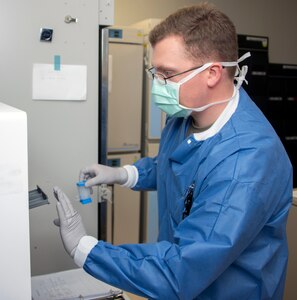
column 184, row 205
column 177, row 210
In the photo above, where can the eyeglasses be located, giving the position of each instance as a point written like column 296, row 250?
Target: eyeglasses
column 152, row 74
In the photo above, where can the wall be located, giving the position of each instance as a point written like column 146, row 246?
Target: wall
column 275, row 19
column 62, row 135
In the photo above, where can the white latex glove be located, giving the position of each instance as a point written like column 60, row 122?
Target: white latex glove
column 98, row 174
column 69, row 221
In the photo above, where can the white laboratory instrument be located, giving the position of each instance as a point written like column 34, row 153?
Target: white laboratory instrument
column 15, row 282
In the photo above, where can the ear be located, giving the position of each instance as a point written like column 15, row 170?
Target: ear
column 215, row 72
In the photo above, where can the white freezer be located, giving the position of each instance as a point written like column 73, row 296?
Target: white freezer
column 15, row 281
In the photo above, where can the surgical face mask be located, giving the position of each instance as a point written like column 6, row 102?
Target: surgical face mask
column 166, row 96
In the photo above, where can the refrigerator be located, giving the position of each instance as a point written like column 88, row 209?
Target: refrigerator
column 60, row 39
column 154, row 120
column 124, row 126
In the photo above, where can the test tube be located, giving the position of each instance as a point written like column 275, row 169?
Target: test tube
column 84, row 192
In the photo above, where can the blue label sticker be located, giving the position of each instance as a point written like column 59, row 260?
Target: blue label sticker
column 116, row 33
column 57, row 62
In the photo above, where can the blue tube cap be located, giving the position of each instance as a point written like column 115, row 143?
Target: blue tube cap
column 86, row 201
column 81, row 183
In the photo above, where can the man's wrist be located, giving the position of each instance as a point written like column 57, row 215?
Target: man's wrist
column 84, row 247
column 122, row 175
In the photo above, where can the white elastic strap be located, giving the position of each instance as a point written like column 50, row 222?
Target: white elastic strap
column 222, row 119
column 240, row 72
column 207, row 65
column 85, row 245
column 244, row 56
column 132, row 176
column 240, row 78
column 194, row 73
column 235, row 63
column 199, row 109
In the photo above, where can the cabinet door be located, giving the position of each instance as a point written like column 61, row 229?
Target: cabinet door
column 123, row 214
column 125, row 97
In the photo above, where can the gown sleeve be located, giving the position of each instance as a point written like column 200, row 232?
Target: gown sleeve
column 147, row 174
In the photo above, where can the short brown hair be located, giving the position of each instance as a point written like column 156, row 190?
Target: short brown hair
column 208, row 33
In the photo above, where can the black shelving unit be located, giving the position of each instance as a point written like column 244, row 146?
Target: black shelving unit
column 273, row 87
column 257, row 64
column 282, row 107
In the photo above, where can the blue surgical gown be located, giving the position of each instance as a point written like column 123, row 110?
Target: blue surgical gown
column 232, row 245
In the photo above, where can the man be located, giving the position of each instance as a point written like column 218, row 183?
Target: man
column 223, row 178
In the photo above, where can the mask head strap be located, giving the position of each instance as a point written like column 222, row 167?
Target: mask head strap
column 194, row 73
column 240, row 73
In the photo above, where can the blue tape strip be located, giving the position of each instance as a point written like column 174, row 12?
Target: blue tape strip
column 57, row 62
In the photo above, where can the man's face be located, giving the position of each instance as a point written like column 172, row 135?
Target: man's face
column 169, row 58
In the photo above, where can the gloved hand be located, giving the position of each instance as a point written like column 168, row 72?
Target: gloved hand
column 98, row 174
column 70, row 223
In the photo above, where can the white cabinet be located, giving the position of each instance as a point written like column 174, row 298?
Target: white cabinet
column 15, row 281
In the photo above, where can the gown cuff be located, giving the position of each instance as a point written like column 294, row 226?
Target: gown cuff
column 132, row 176
column 85, row 245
